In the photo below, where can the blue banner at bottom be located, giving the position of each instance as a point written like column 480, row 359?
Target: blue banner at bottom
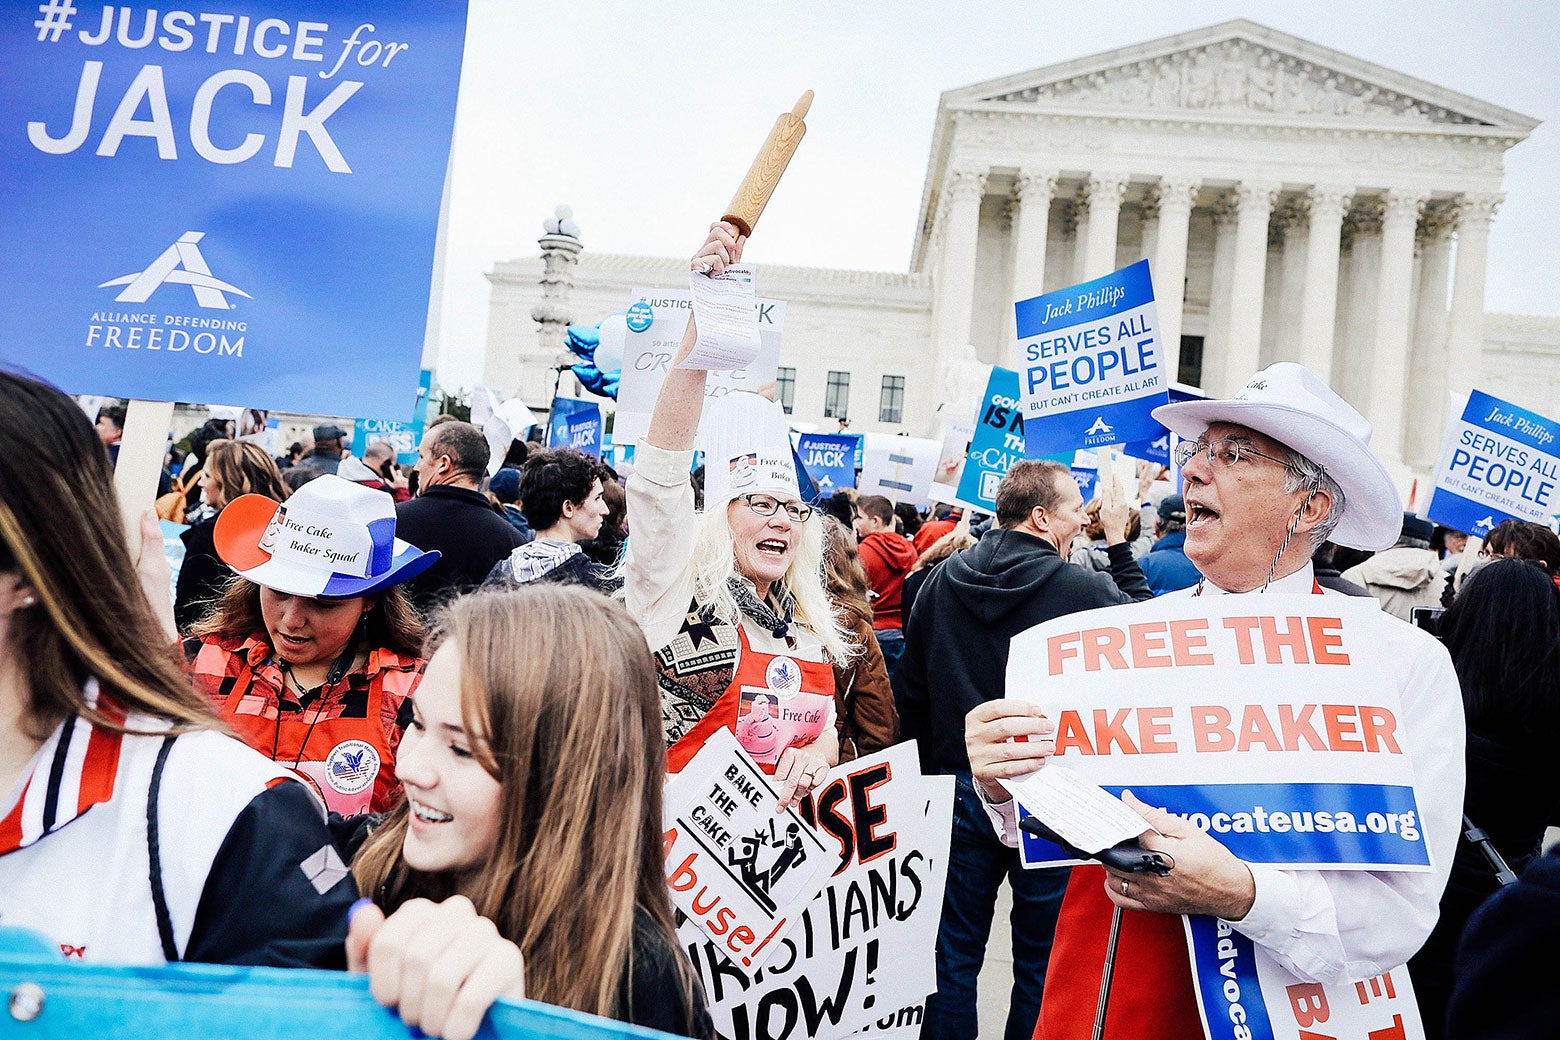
column 1355, row 825
column 1122, row 422
column 72, row 1001
column 1225, row 966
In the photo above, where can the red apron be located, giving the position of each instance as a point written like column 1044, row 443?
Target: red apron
column 347, row 760
column 1152, row 993
column 775, row 701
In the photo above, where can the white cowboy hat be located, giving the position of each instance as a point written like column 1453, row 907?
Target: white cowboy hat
column 1289, row 404
column 332, row 539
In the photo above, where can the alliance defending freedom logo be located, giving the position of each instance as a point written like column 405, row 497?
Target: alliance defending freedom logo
column 180, row 264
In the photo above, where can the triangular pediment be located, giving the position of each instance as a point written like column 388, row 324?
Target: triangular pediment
column 1240, row 68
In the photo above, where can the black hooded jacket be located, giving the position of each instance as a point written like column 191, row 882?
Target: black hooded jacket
column 956, row 640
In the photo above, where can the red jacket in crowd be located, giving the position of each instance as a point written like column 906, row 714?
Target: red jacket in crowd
column 887, row 558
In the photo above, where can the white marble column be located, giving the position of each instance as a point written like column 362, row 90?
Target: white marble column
column 1105, row 194
column 1080, row 222
column 1297, row 238
column 1466, row 325
column 1253, row 205
column 1216, row 343
column 1032, row 194
column 1319, row 300
column 1168, row 264
column 1427, row 364
column 1394, row 306
column 956, row 271
column 1149, row 239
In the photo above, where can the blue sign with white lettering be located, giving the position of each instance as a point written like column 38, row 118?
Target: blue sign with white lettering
column 1090, row 363
column 225, row 206
column 1157, row 449
column 575, row 424
column 829, row 459
column 404, row 437
column 1498, row 462
column 998, row 441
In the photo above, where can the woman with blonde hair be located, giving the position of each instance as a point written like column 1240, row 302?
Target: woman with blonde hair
column 232, row 469
column 533, row 791
column 734, row 597
column 864, row 700
column 132, row 829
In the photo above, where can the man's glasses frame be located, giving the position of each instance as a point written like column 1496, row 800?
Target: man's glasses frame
column 1222, row 452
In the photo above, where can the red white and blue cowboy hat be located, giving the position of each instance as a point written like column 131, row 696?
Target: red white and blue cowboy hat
column 332, row 539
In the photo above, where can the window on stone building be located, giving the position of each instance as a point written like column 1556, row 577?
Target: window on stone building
column 836, row 396
column 1190, row 371
column 891, row 402
column 785, row 382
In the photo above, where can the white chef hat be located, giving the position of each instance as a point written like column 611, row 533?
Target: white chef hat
column 747, row 449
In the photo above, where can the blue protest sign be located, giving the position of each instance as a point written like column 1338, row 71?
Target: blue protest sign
column 575, row 424
column 404, row 437
column 1498, row 462
column 1157, row 449
column 998, row 441
column 1090, row 363
column 239, row 206
column 829, row 459
column 1086, row 471
column 200, row 1001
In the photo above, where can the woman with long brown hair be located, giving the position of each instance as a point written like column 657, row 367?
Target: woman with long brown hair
column 232, row 469
column 864, row 701
column 314, row 648
column 181, row 843
column 533, row 790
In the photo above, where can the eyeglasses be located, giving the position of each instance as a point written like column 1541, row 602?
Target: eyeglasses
column 1489, row 554
column 768, row 505
column 1221, row 453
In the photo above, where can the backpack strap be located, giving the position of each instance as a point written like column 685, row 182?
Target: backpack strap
column 159, row 896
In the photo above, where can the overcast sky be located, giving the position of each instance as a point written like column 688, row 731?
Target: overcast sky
column 644, row 118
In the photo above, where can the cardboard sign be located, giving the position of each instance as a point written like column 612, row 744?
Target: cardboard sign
column 863, row 956
column 829, row 459
column 1091, row 364
column 1498, row 462
column 1185, row 700
column 899, row 468
column 739, row 870
column 243, row 201
column 656, row 320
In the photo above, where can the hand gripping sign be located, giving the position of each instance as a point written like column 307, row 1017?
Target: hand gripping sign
column 1275, row 723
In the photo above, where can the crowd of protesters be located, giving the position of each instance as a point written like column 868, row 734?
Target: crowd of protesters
column 407, row 678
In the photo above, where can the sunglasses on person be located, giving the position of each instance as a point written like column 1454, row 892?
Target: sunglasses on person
column 768, row 505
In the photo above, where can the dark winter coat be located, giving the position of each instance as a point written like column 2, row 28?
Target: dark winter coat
column 956, row 643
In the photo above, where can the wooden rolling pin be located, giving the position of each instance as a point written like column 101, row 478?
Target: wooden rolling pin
column 762, row 177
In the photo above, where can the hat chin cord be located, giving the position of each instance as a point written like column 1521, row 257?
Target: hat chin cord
column 1288, row 537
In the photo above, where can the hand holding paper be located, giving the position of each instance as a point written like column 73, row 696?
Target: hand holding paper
column 725, row 310
column 1083, row 814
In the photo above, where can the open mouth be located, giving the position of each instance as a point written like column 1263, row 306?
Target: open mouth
column 773, row 548
column 428, row 814
column 292, row 642
column 1199, row 515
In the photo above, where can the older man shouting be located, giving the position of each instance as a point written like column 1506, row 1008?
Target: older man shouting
column 1269, row 475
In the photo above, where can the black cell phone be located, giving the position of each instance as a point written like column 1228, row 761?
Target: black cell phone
column 1428, row 618
column 1128, row 857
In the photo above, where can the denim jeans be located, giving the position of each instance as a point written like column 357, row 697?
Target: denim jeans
column 892, row 643
column 977, row 863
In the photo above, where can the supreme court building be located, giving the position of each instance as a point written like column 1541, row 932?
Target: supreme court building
column 1294, row 203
